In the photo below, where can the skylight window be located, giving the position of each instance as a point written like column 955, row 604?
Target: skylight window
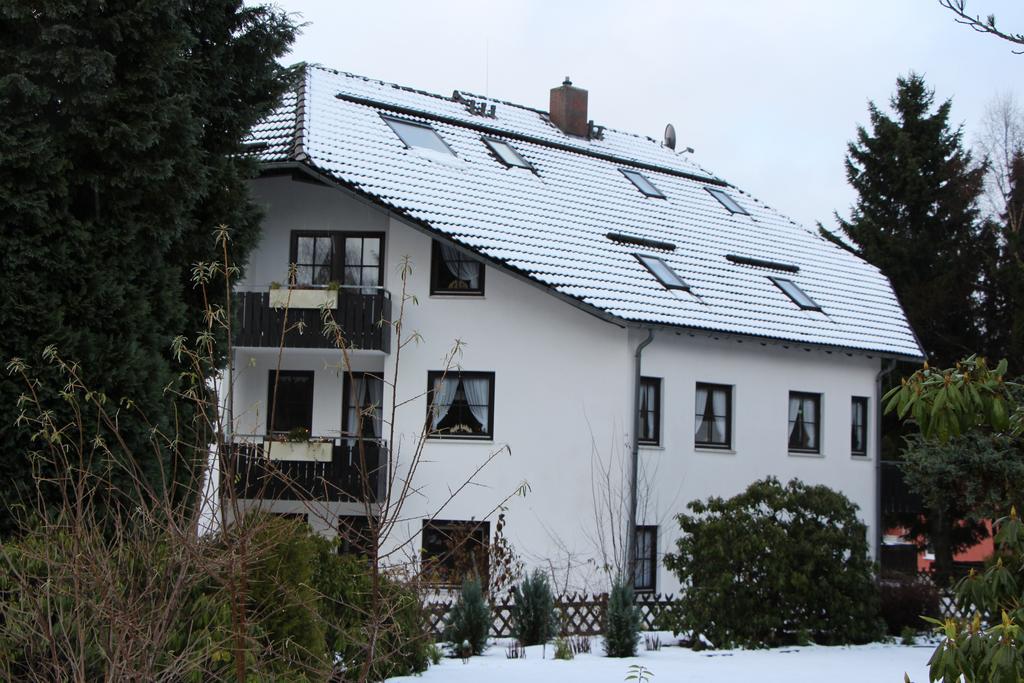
column 762, row 263
column 507, row 153
column 796, row 294
column 662, row 272
column 726, row 200
column 419, row 135
column 642, row 183
column 640, row 241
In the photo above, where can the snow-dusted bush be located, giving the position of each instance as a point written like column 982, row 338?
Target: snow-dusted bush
column 533, row 611
column 469, row 622
column 621, row 621
column 774, row 561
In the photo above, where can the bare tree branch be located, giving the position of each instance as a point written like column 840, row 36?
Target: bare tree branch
column 986, row 25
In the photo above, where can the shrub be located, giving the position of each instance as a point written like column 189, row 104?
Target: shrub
column 533, row 611
column 562, row 648
column 774, row 560
column 469, row 621
column 905, row 600
column 621, row 621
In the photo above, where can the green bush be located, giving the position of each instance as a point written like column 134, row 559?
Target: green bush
column 469, row 621
column 621, row 621
column 533, row 611
column 760, row 567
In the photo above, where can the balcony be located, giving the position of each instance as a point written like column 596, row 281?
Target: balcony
column 364, row 318
column 329, row 469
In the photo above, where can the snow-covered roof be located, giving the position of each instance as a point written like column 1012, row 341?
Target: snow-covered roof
column 551, row 223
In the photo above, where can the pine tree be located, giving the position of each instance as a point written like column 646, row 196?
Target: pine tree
column 120, row 124
column 916, row 216
column 1004, row 277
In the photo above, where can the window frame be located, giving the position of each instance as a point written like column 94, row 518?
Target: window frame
column 338, row 261
column 447, row 576
column 346, row 402
column 644, row 258
column 811, row 304
column 271, row 399
column 863, row 402
column 651, row 558
column 491, row 145
column 433, row 375
column 711, row 445
column 654, row 382
column 725, row 199
column 630, row 173
column 817, row 398
column 437, row 262
column 390, row 120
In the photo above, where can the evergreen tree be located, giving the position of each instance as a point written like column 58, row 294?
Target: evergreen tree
column 916, row 216
column 1004, row 276
column 120, row 127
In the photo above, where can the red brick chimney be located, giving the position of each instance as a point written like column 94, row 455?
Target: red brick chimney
column 569, row 109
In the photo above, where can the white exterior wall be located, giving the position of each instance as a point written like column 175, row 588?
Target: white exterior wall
column 563, row 392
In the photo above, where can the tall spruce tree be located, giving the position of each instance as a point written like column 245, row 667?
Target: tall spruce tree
column 120, row 124
column 1004, row 276
column 916, row 216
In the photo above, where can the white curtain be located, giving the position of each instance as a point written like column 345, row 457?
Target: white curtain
column 367, row 391
column 647, row 411
column 478, row 396
column 698, row 418
column 463, row 269
column 375, row 392
column 444, row 394
column 799, row 435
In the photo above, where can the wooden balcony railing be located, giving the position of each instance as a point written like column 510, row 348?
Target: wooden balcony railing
column 342, row 478
column 363, row 318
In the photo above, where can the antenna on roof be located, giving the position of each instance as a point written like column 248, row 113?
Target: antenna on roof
column 670, row 136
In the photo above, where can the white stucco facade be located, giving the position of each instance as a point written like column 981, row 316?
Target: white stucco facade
column 563, row 399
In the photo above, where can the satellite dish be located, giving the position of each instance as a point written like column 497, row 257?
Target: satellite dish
column 670, row 136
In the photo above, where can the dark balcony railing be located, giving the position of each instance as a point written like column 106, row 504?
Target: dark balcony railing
column 897, row 498
column 363, row 318
column 256, row 476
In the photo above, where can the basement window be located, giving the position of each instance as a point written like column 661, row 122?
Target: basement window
column 643, row 184
column 662, row 272
column 726, row 200
column 419, row 135
column 796, row 294
column 507, row 154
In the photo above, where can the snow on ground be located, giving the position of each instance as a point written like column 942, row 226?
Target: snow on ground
column 878, row 663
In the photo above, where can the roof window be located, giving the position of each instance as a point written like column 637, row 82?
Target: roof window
column 726, row 200
column 796, row 294
column 642, row 183
column 662, row 272
column 507, row 153
column 420, row 135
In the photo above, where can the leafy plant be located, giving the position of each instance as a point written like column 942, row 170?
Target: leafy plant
column 639, row 673
column 761, row 566
column 469, row 621
column 622, row 621
column 297, row 435
column 562, row 648
column 905, row 600
column 533, row 611
column 908, row 636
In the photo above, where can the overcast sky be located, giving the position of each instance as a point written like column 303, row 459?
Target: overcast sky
column 767, row 93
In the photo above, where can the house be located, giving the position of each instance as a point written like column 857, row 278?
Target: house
column 617, row 302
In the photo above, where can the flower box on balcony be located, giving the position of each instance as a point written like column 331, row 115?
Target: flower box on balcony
column 308, row 451
column 303, row 298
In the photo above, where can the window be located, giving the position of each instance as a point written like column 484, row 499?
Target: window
column 363, row 397
column 354, row 535
column 623, row 238
column 726, row 200
column 313, row 256
column 762, row 263
column 712, row 424
column 452, row 272
column 507, row 153
column 461, row 404
column 349, row 258
column 804, row 422
column 650, row 411
column 662, row 272
column 289, row 400
column 415, row 134
column 642, row 183
column 645, row 564
column 364, row 264
column 859, row 426
column 796, row 294
column 452, row 551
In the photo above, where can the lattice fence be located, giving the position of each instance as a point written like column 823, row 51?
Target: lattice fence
column 581, row 614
